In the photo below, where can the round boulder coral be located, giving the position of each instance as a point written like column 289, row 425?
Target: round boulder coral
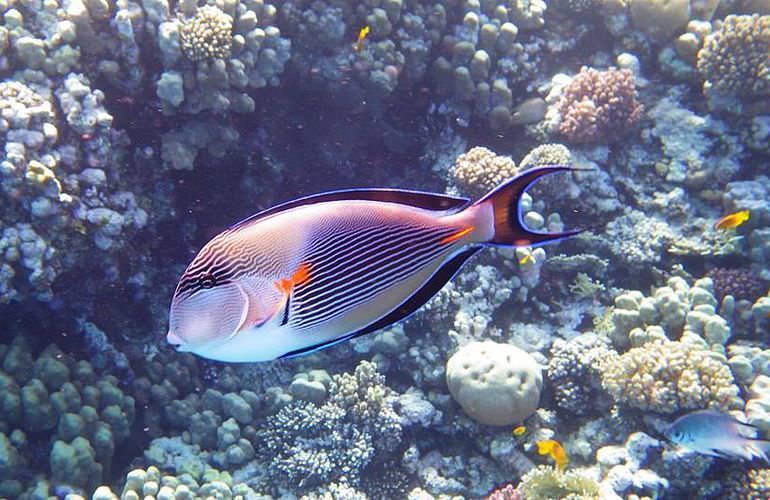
column 208, row 35
column 496, row 384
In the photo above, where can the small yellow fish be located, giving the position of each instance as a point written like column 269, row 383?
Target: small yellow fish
column 555, row 450
column 526, row 259
column 361, row 37
column 519, row 431
column 733, row 220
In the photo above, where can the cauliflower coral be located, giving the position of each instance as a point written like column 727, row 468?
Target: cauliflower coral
column 735, row 59
column 599, row 106
column 668, row 377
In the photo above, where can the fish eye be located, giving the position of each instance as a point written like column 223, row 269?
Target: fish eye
column 207, row 281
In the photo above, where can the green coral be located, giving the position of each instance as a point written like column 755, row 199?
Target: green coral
column 735, row 59
column 59, row 403
column 547, row 482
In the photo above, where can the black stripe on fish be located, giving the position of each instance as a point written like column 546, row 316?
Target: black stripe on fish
column 409, row 306
column 391, row 268
column 348, row 266
column 352, row 265
column 285, row 318
column 338, row 309
column 419, row 199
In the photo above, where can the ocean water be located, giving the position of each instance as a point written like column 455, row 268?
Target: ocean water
column 134, row 132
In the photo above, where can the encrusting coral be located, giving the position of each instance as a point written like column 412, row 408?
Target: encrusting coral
column 599, row 106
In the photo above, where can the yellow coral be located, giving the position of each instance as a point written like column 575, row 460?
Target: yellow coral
column 667, row 377
column 208, row 35
column 480, row 170
column 548, row 482
column 736, row 57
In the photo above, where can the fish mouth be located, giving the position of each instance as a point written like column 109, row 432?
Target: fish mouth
column 174, row 339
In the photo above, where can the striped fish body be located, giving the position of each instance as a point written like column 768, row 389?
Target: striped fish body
column 324, row 269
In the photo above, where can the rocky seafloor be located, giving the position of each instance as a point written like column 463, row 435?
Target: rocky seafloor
column 133, row 132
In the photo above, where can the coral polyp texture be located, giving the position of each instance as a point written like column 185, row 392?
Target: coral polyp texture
column 480, row 170
column 669, row 377
column 599, row 106
column 207, row 35
column 735, row 59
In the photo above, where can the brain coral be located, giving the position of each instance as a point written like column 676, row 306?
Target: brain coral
column 667, row 377
column 480, row 170
column 496, row 384
column 599, row 106
column 735, row 58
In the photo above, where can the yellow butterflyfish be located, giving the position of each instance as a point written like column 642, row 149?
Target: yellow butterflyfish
column 361, row 37
column 732, row 220
column 519, row 431
column 555, row 450
column 526, row 259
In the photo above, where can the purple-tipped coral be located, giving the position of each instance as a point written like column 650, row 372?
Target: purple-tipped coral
column 599, row 106
column 742, row 284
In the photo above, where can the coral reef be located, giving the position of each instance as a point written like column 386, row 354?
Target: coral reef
column 734, row 58
column 496, row 384
column 479, row 170
column 599, row 106
column 574, row 372
column 668, row 377
column 58, row 408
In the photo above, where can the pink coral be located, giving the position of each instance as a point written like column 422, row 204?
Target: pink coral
column 599, row 106
column 507, row 492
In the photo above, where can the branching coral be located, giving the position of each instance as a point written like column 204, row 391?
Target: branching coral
column 574, row 372
column 310, row 444
column 599, row 106
column 735, row 59
column 667, row 377
column 548, row 482
column 742, row 284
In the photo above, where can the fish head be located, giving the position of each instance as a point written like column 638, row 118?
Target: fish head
column 678, row 434
column 208, row 309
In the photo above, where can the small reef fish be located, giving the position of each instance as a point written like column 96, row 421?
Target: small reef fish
column 361, row 37
column 717, row 434
column 519, row 431
column 733, row 220
column 555, row 450
column 320, row 270
column 526, row 259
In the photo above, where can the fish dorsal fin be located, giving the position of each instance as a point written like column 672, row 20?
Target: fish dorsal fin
column 419, row 199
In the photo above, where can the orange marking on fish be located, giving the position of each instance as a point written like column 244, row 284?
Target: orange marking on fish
column 456, row 236
column 300, row 277
column 733, row 220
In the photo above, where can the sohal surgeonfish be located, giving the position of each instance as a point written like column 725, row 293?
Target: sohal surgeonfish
column 324, row 269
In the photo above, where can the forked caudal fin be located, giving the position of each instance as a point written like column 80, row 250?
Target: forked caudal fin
column 505, row 198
